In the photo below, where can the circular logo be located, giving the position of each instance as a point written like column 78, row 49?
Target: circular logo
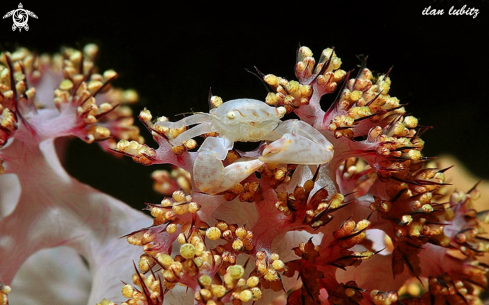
column 20, row 17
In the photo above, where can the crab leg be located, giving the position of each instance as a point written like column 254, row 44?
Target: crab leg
column 190, row 120
column 204, row 126
column 192, row 133
column 210, row 175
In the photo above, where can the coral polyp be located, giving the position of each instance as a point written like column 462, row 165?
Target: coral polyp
column 352, row 228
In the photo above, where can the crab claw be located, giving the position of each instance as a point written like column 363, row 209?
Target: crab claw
column 296, row 149
column 210, row 175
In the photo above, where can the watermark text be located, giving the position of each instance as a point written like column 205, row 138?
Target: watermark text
column 453, row 11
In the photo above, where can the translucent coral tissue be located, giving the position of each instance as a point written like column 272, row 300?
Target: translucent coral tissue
column 337, row 206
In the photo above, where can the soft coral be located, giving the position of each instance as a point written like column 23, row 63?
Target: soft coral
column 53, row 209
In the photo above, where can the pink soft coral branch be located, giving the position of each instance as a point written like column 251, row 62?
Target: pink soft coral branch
column 53, row 208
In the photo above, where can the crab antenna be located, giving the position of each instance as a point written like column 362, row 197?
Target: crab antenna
column 260, row 77
column 209, row 98
column 189, row 112
column 297, row 51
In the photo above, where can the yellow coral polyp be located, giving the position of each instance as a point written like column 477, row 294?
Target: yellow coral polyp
column 236, row 272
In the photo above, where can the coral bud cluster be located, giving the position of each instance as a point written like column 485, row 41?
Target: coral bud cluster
column 42, row 98
column 86, row 105
column 307, row 233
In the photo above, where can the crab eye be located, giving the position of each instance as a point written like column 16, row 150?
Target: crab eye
column 231, row 115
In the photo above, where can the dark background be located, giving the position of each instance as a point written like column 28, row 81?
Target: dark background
column 173, row 53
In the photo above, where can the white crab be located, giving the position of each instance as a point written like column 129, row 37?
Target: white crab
column 248, row 120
